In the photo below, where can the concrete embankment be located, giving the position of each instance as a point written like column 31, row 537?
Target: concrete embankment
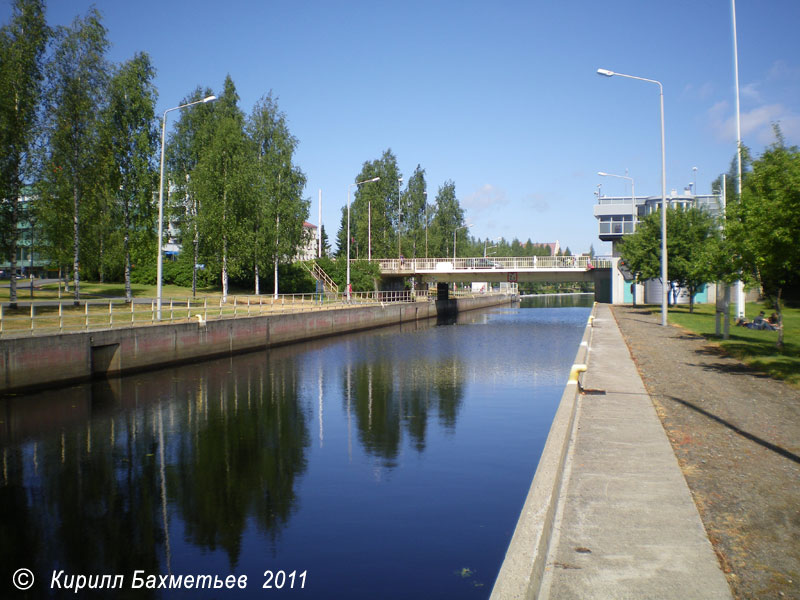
column 27, row 363
column 609, row 514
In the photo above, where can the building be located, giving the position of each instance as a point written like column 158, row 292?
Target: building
column 618, row 216
column 308, row 247
column 29, row 257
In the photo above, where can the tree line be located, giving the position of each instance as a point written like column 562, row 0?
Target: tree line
column 80, row 142
column 754, row 240
column 387, row 221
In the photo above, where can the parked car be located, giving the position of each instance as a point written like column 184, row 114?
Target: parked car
column 485, row 263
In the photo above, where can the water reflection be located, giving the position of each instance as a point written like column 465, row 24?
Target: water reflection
column 391, row 395
column 240, row 454
column 221, row 445
column 210, row 468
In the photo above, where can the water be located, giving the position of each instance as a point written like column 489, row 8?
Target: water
column 389, row 464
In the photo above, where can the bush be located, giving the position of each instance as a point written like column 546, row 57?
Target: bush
column 364, row 275
column 176, row 272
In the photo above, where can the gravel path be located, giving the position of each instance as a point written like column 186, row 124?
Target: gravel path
column 736, row 434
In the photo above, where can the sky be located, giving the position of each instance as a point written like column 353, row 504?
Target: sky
column 502, row 97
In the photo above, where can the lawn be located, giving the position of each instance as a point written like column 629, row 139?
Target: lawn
column 93, row 290
column 754, row 347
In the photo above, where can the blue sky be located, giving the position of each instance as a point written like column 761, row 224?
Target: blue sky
column 501, row 97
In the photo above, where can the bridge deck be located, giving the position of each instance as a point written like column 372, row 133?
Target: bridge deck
column 515, row 268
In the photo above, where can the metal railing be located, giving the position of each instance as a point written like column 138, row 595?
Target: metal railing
column 54, row 317
column 319, row 274
column 473, row 264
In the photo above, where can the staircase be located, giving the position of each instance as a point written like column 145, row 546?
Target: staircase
column 320, row 275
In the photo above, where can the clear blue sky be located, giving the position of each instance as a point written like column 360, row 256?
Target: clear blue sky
column 501, row 97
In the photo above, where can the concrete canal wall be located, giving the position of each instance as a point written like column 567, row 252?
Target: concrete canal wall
column 43, row 361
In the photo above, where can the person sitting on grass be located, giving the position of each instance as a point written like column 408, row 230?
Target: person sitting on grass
column 758, row 323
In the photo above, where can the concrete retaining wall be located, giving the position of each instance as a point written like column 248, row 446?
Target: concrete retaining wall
column 523, row 567
column 49, row 360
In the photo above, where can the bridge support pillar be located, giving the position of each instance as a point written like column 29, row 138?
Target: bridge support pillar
column 446, row 307
column 603, row 290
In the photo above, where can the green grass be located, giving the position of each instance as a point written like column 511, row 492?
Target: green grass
column 91, row 290
column 753, row 347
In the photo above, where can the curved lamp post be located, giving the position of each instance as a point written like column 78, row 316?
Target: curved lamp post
column 348, row 228
column 664, row 281
column 159, row 264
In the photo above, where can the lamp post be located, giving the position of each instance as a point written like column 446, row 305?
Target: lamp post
column 486, row 245
column 739, row 286
column 664, row 282
column 457, row 229
column 348, row 228
column 399, row 214
column 425, row 193
column 633, row 193
column 159, row 265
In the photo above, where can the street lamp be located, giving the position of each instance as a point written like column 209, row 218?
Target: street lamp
column 159, row 265
column 739, row 286
column 486, row 245
column 633, row 193
column 425, row 193
column 399, row 213
column 348, row 228
column 664, row 282
column 457, row 229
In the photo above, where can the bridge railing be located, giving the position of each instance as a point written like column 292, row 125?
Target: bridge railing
column 428, row 265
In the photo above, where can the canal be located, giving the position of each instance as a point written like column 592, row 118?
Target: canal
column 385, row 464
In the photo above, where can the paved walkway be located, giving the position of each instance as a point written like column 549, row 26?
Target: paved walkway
column 626, row 526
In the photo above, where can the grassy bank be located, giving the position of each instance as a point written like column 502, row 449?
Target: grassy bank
column 92, row 290
column 754, row 347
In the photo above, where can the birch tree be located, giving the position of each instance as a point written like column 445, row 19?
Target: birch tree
column 183, row 152
column 222, row 179
column 77, row 82
column 132, row 138
column 22, row 46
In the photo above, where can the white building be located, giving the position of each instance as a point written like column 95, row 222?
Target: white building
column 618, row 216
column 308, row 248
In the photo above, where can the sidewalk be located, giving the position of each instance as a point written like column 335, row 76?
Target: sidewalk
column 626, row 525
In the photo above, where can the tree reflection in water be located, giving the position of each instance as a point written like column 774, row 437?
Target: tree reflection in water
column 390, row 396
column 88, row 488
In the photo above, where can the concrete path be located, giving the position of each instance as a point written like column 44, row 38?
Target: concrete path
column 626, row 525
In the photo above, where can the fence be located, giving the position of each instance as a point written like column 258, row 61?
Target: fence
column 52, row 317
column 544, row 263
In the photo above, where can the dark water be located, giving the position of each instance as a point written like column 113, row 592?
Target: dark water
column 390, row 464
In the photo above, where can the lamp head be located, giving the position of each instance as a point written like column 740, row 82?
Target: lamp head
column 209, row 98
column 602, row 174
column 605, row 72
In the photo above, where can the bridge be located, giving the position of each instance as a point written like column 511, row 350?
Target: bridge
column 515, row 269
